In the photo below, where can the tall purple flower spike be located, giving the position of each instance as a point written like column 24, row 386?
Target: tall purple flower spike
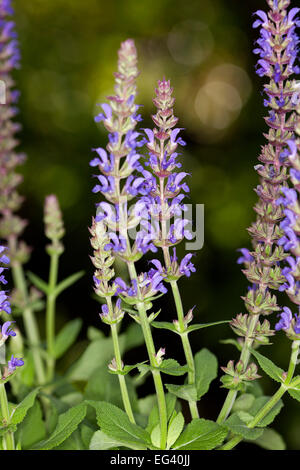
column 166, row 187
column 290, row 226
column 118, row 182
column 277, row 49
column 11, row 225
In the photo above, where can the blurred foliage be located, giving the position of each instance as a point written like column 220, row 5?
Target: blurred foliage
column 205, row 47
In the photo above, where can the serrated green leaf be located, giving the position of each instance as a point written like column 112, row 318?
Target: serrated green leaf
column 174, row 429
column 67, row 423
column 273, row 371
column 270, row 440
column 206, row 366
column 38, row 282
column 269, row 418
column 114, row 423
column 235, row 424
column 21, row 410
column 66, row 337
column 294, row 394
column 201, row 434
column 186, row 392
column 32, row 429
column 63, row 285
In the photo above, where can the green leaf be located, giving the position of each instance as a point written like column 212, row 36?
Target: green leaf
column 146, row 404
column 94, row 333
column 132, row 338
column 206, row 366
column 294, row 394
column 126, row 369
column 186, row 392
column 199, row 326
column 22, row 408
column 101, row 351
column 67, row 282
column 201, row 434
column 270, row 440
column 155, row 436
column 171, row 327
column 100, row 441
column 164, row 325
column 103, row 386
column 97, row 353
column 243, row 402
column 86, row 435
column 154, row 415
column 38, row 282
column 268, row 366
column 66, row 337
column 115, row 423
column 174, row 429
column 73, row 442
column 235, row 424
column 67, row 423
column 269, row 418
column 32, row 429
column 234, row 342
column 168, row 366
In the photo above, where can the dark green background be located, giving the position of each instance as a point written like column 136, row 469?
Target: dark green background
column 69, row 52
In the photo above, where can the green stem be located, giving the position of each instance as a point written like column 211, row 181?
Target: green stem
column 8, row 438
column 151, row 353
column 273, row 400
column 186, row 346
column 244, row 357
column 260, row 415
column 123, row 386
column 50, row 315
column 30, row 324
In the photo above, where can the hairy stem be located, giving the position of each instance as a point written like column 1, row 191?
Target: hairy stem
column 30, row 324
column 122, row 381
column 151, row 353
column 50, row 315
column 244, row 357
column 186, row 346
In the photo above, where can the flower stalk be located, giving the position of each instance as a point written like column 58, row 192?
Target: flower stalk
column 164, row 202
column 277, row 50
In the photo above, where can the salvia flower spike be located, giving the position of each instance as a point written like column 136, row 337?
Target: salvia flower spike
column 119, row 185
column 166, row 190
column 11, row 225
column 277, row 49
